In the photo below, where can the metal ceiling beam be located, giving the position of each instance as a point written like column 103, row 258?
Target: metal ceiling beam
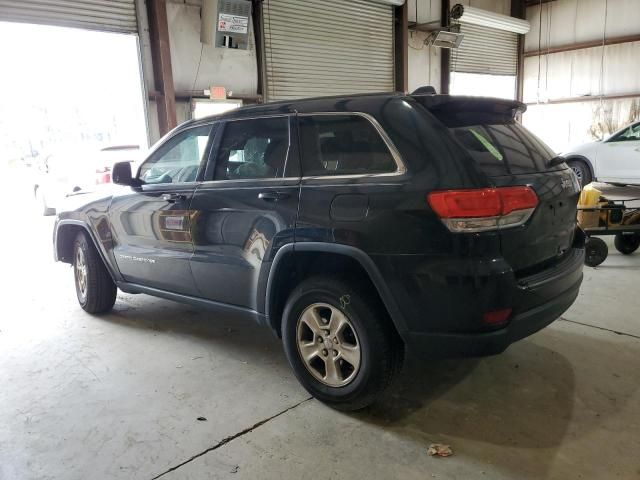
column 534, row 3
column 583, row 45
column 587, row 98
column 161, row 59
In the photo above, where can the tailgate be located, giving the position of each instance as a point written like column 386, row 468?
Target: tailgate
column 548, row 235
column 510, row 155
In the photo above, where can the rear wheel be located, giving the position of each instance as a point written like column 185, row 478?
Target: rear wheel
column 627, row 243
column 582, row 171
column 596, row 252
column 340, row 342
column 95, row 289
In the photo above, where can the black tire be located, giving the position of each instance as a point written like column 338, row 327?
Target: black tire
column 41, row 203
column 627, row 243
column 95, row 289
column 596, row 252
column 381, row 351
column 582, row 171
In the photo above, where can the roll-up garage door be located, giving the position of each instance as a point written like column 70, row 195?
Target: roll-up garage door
column 104, row 15
column 331, row 47
column 486, row 50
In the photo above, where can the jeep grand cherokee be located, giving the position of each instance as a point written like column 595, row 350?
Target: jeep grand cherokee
column 353, row 227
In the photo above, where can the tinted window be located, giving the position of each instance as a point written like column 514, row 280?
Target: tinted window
column 178, row 160
column 498, row 144
column 253, row 149
column 342, row 145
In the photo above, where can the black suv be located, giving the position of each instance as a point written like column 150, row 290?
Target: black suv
column 353, row 227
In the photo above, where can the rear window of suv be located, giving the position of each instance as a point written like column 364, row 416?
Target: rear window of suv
column 342, row 144
column 499, row 145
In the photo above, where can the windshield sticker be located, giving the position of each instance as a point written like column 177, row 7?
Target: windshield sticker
column 487, row 144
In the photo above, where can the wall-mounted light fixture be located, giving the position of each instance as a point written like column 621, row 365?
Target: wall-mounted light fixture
column 444, row 39
column 485, row 18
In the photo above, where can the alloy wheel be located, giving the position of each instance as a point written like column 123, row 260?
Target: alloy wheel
column 328, row 345
column 81, row 273
column 578, row 172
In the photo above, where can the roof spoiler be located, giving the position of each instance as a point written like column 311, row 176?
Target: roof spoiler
column 426, row 90
column 452, row 103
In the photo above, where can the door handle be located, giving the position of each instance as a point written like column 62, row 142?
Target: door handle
column 272, row 196
column 173, row 197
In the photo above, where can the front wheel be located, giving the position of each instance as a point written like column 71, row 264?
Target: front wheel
column 582, row 171
column 627, row 243
column 95, row 289
column 340, row 342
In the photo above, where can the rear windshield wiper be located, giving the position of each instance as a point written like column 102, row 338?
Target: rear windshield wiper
column 557, row 160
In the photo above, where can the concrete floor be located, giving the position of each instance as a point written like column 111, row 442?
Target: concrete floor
column 119, row 396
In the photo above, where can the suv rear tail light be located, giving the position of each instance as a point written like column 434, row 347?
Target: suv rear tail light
column 483, row 209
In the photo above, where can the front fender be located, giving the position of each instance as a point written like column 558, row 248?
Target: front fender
column 64, row 233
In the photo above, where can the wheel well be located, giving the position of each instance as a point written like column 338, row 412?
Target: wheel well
column 583, row 160
column 295, row 267
column 64, row 243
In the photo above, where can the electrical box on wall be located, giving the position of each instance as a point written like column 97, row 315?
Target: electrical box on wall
column 232, row 28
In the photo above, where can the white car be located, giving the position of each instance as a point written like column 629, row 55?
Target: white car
column 73, row 169
column 613, row 160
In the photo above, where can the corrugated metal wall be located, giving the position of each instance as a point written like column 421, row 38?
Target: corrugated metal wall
column 104, row 15
column 234, row 69
column 568, row 91
column 424, row 61
column 327, row 48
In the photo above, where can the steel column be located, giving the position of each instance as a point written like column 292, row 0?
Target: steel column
column 161, row 58
column 518, row 10
column 445, row 53
column 401, row 59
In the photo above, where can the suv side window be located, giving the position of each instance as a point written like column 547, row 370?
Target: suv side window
column 251, row 149
column 342, row 145
column 178, row 160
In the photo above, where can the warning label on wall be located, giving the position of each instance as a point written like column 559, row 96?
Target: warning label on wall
column 232, row 23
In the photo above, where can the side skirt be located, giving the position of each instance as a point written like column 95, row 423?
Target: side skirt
column 229, row 311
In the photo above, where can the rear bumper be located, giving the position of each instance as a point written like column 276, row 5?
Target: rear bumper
column 443, row 314
column 491, row 343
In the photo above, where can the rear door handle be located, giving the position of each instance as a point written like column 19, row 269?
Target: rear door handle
column 272, row 196
column 173, row 197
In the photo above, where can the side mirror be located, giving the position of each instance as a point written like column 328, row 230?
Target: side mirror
column 121, row 175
